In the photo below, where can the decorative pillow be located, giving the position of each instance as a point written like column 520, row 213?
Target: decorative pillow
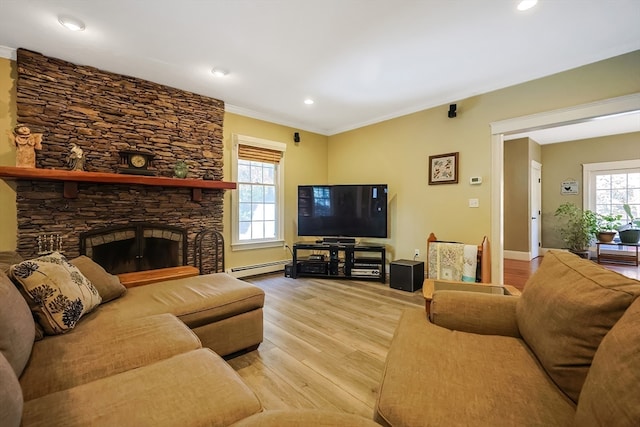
column 57, row 293
column 565, row 310
column 610, row 392
column 108, row 285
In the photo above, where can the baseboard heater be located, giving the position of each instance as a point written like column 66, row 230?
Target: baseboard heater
column 255, row 269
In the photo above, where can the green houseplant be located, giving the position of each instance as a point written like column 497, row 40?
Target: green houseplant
column 630, row 232
column 577, row 228
column 607, row 227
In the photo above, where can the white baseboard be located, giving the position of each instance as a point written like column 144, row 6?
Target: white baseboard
column 520, row 256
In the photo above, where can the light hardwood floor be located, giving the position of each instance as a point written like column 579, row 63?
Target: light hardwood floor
column 325, row 341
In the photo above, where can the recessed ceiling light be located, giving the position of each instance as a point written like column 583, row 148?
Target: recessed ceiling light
column 526, row 4
column 309, row 101
column 71, row 23
column 219, row 72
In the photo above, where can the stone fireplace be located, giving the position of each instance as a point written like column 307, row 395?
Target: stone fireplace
column 104, row 113
column 135, row 247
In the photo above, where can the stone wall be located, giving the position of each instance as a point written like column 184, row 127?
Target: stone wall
column 104, row 113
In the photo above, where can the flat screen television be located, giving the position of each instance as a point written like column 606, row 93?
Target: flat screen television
column 342, row 210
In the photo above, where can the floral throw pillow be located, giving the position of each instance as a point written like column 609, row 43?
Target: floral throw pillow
column 57, row 293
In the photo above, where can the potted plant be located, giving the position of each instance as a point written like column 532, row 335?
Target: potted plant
column 630, row 232
column 577, row 227
column 607, row 227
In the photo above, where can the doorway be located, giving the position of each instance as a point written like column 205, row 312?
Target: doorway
column 577, row 114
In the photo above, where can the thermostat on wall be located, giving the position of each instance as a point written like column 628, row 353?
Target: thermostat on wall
column 475, row 180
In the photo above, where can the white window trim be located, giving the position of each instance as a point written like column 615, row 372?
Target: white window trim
column 589, row 171
column 278, row 241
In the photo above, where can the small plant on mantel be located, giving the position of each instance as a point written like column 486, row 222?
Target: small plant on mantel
column 577, row 228
column 607, row 227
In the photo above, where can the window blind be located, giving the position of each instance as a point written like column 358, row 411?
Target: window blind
column 258, row 154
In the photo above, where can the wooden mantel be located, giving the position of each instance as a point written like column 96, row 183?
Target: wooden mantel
column 71, row 179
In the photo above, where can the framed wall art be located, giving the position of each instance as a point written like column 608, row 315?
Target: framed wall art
column 443, row 169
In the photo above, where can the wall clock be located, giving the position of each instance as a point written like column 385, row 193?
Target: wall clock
column 136, row 162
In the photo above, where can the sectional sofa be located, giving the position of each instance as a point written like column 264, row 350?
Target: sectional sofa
column 101, row 355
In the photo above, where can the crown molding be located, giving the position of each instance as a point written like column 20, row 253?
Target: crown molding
column 242, row 111
column 8, row 53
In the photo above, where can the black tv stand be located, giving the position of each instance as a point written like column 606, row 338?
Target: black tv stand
column 340, row 261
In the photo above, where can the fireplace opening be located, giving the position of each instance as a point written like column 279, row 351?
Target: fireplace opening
column 135, row 247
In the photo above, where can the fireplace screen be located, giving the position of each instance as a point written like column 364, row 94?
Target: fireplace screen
column 135, row 247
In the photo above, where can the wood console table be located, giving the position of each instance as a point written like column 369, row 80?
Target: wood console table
column 623, row 258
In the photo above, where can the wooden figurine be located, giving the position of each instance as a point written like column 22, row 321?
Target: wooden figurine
column 26, row 144
column 76, row 158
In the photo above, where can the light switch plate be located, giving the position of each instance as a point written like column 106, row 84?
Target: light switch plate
column 474, row 203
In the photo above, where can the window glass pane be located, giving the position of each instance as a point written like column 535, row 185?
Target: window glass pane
column 269, row 211
column 268, row 173
column 257, row 230
column 244, row 172
column 603, row 197
column 269, row 229
column 619, row 180
column 244, row 193
column 619, row 196
column 634, row 196
column 257, row 193
column 258, row 212
column 244, row 211
column 603, row 181
column 244, row 230
column 634, row 180
column 256, row 172
column 270, row 194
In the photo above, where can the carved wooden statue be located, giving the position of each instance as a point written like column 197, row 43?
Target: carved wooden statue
column 76, row 158
column 26, row 144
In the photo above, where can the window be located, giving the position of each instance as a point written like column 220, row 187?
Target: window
column 612, row 184
column 257, row 204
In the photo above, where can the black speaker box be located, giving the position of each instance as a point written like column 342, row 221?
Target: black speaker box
column 288, row 270
column 406, row 275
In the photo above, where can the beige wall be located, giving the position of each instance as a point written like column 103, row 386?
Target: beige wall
column 561, row 162
column 396, row 151
column 516, row 195
column 305, row 163
column 8, row 220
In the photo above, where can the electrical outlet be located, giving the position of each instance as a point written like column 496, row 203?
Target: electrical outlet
column 416, row 253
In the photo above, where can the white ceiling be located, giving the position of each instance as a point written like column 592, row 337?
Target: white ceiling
column 362, row 61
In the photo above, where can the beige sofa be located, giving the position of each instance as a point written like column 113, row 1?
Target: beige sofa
column 137, row 358
column 566, row 352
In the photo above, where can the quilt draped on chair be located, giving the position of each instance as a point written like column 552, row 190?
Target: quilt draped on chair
column 452, row 261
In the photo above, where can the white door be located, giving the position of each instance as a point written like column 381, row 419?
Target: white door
column 535, row 202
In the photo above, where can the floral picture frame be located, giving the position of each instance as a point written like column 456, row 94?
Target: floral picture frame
column 443, row 169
